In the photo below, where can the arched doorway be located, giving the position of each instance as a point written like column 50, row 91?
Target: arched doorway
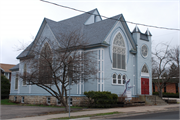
column 144, row 81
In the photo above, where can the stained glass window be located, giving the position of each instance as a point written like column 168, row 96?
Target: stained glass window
column 144, row 69
column 119, row 52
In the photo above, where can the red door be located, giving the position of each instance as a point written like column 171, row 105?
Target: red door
column 145, row 86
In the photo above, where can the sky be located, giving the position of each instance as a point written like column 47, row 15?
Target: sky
column 20, row 20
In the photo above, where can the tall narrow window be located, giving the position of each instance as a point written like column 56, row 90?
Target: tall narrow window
column 119, row 52
column 45, row 65
column 16, row 82
column 124, row 79
column 114, row 79
column 119, row 79
column 24, row 80
column 70, row 69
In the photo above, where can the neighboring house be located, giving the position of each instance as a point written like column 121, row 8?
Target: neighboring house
column 121, row 54
column 172, row 86
column 5, row 70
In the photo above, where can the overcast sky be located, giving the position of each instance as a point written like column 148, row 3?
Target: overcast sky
column 21, row 19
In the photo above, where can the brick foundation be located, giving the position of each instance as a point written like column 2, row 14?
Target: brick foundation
column 76, row 101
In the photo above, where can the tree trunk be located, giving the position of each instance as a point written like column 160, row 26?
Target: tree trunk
column 65, row 105
column 160, row 93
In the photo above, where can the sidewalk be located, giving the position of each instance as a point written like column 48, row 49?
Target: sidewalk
column 166, row 98
column 137, row 109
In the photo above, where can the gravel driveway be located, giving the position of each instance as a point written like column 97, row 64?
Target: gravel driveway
column 16, row 111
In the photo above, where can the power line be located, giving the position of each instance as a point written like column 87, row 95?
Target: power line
column 110, row 18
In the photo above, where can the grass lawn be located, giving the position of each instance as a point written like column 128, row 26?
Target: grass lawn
column 93, row 115
column 8, row 102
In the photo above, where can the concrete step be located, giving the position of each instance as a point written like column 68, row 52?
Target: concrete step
column 156, row 100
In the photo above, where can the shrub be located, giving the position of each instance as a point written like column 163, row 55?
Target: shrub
column 173, row 95
column 5, row 87
column 101, row 99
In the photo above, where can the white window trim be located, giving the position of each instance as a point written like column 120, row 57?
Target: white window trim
column 70, row 101
column 15, row 98
column 22, row 99
column 147, row 51
column 23, row 84
column 48, row 100
column 125, row 53
column 57, row 102
column 100, row 63
column 117, row 79
column 17, row 77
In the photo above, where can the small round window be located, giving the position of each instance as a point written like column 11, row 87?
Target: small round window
column 144, row 51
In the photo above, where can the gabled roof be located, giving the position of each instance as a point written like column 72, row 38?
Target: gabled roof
column 15, row 68
column 6, row 67
column 94, row 33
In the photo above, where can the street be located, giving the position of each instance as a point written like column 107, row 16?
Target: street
column 162, row 115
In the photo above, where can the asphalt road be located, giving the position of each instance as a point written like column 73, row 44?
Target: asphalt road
column 162, row 115
column 17, row 111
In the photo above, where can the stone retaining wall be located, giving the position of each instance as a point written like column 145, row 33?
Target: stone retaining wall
column 76, row 100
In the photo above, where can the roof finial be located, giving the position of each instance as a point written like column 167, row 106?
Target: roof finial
column 136, row 28
column 148, row 32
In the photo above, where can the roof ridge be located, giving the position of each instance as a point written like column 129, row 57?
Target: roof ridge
column 78, row 15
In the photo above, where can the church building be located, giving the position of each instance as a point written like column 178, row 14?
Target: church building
column 122, row 55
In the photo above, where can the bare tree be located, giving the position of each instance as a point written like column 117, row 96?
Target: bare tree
column 57, row 64
column 161, row 62
column 175, row 54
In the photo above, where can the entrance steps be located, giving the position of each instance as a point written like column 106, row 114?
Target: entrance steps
column 152, row 100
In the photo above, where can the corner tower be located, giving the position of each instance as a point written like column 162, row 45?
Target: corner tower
column 143, row 62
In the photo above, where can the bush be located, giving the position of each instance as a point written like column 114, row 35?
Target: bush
column 101, row 99
column 5, row 87
column 173, row 95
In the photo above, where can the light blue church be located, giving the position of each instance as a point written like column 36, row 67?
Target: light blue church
column 121, row 54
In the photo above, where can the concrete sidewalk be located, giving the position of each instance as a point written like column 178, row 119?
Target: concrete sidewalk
column 137, row 109
column 177, row 99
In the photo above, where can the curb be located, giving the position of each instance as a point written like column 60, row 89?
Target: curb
column 133, row 113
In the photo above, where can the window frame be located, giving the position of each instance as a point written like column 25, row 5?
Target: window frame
column 117, row 79
column 57, row 102
column 113, row 79
column 24, row 73
column 22, row 99
column 48, row 101
column 142, row 51
column 45, row 46
column 116, row 55
column 16, row 82
column 15, row 98
column 71, row 101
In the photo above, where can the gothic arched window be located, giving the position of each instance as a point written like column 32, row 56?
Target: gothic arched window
column 119, row 79
column 24, row 80
column 45, row 65
column 144, row 69
column 119, row 52
column 114, row 79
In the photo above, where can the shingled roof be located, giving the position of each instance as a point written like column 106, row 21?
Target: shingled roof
column 94, row 33
column 6, row 67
